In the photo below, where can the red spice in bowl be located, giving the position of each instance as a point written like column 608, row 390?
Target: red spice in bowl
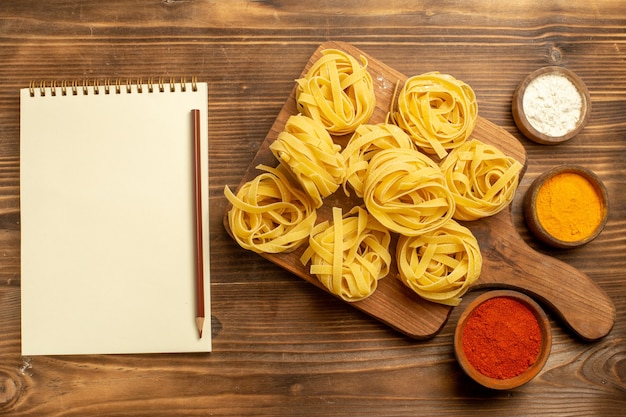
column 503, row 339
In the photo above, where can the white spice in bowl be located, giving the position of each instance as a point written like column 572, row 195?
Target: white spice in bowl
column 551, row 105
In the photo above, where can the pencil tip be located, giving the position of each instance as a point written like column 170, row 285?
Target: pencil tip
column 200, row 325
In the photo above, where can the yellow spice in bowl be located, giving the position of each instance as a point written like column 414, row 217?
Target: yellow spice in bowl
column 569, row 207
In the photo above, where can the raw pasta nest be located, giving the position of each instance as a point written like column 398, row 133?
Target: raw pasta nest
column 440, row 265
column 306, row 149
column 366, row 141
column 337, row 91
column 350, row 255
column 269, row 215
column 438, row 111
column 482, row 179
column 406, row 192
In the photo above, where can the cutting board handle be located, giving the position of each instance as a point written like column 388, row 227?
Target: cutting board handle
column 512, row 263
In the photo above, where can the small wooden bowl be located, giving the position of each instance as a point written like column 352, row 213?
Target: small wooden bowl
column 528, row 374
column 520, row 117
column 530, row 206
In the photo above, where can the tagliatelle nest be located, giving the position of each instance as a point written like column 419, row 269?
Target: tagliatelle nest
column 406, row 192
column 350, row 255
column 308, row 152
column 366, row 141
column 481, row 178
column 440, row 265
column 438, row 111
column 269, row 215
column 337, row 91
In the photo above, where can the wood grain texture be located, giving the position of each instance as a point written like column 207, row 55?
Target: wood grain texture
column 281, row 346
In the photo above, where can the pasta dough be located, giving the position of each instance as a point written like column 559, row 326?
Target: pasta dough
column 438, row 111
column 270, row 215
column 406, row 192
column 440, row 265
column 306, row 149
column 350, row 255
column 366, row 141
column 337, row 92
column 481, row 178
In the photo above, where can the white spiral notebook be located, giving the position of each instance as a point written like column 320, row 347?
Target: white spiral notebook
column 107, row 218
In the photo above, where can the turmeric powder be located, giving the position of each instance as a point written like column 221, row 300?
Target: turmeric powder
column 568, row 207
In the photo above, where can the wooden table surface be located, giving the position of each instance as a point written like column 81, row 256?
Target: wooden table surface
column 281, row 346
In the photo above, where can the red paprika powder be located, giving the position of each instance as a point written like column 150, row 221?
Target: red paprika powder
column 501, row 338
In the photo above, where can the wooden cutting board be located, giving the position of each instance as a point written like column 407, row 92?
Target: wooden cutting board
column 508, row 262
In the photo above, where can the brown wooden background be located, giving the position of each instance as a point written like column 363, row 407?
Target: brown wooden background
column 282, row 346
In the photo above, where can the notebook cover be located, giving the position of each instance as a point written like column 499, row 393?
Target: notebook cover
column 107, row 220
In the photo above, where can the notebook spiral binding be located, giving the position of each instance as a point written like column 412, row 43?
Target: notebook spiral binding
column 85, row 87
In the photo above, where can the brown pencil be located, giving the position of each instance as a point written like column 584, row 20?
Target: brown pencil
column 198, row 222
